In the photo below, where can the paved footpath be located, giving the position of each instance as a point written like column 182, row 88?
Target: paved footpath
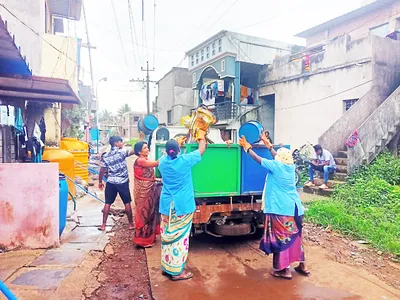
column 236, row 269
column 64, row 272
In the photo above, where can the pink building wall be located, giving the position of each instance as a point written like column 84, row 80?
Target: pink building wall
column 360, row 26
column 29, row 209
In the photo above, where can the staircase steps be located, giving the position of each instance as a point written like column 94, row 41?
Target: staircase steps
column 342, row 168
column 331, row 183
column 339, row 177
column 341, row 161
column 316, row 190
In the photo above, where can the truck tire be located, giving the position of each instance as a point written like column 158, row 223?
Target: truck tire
column 258, row 234
column 233, row 230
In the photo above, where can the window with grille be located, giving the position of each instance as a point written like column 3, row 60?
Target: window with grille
column 349, row 103
column 169, row 116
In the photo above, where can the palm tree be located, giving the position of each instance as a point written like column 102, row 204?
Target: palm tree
column 124, row 109
column 106, row 116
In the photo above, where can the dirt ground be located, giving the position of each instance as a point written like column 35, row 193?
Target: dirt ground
column 355, row 253
column 123, row 272
column 124, row 275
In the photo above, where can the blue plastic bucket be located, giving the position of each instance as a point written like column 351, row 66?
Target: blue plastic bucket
column 148, row 124
column 251, row 131
column 63, row 202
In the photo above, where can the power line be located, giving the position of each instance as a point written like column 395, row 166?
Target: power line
column 43, row 39
column 218, row 19
column 324, row 98
column 133, row 29
column 119, row 32
column 203, row 23
column 154, row 35
column 271, row 18
column 223, row 14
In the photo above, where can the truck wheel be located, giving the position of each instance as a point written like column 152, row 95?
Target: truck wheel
column 258, row 234
column 233, row 230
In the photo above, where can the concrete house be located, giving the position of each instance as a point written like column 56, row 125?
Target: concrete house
column 129, row 124
column 41, row 40
column 347, row 76
column 175, row 96
column 224, row 72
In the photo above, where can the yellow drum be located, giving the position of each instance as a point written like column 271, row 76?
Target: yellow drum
column 80, row 151
column 65, row 162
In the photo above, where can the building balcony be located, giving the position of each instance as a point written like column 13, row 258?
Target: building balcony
column 228, row 112
column 59, row 65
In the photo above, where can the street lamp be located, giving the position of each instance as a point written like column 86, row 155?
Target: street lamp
column 97, row 112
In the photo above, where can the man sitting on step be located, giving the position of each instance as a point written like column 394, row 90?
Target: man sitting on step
column 324, row 163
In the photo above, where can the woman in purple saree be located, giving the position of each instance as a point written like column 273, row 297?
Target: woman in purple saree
column 283, row 210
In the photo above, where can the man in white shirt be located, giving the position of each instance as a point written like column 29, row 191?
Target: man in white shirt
column 324, row 163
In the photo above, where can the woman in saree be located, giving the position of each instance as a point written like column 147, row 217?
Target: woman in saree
column 177, row 206
column 146, row 197
column 283, row 209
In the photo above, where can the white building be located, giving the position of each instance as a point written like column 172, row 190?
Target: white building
column 175, row 96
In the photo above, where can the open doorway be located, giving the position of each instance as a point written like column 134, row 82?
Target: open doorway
column 268, row 114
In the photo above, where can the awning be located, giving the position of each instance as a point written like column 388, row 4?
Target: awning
column 11, row 60
column 35, row 88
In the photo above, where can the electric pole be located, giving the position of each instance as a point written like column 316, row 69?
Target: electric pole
column 147, row 81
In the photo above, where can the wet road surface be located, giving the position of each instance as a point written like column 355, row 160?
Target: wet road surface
column 234, row 268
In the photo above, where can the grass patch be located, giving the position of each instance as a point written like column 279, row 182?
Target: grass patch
column 367, row 206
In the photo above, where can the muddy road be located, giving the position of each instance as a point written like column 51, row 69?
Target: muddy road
column 234, row 268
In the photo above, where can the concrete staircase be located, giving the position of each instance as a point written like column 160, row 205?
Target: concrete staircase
column 376, row 132
column 339, row 177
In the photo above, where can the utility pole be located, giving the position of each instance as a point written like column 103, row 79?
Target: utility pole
column 89, row 47
column 147, row 81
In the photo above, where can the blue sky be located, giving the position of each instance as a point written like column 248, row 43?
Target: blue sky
column 181, row 25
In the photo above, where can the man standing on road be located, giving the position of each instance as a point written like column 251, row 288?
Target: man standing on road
column 118, row 179
column 324, row 163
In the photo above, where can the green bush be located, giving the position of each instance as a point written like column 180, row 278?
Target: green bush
column 367, row 206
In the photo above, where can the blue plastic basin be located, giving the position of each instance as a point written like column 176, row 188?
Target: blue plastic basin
column 251, row 131
column 148, row 124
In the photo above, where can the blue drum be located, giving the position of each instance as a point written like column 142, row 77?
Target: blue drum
column 148, row 124
column 251, row 131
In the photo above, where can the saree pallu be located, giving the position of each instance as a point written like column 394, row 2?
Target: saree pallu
column 146, row 197
column 283, row 239
column 175, row 232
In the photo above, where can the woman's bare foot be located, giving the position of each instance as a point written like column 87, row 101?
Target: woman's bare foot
column 131, row 227
column 184, row 276
column 102, row 228
column 302, row 269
